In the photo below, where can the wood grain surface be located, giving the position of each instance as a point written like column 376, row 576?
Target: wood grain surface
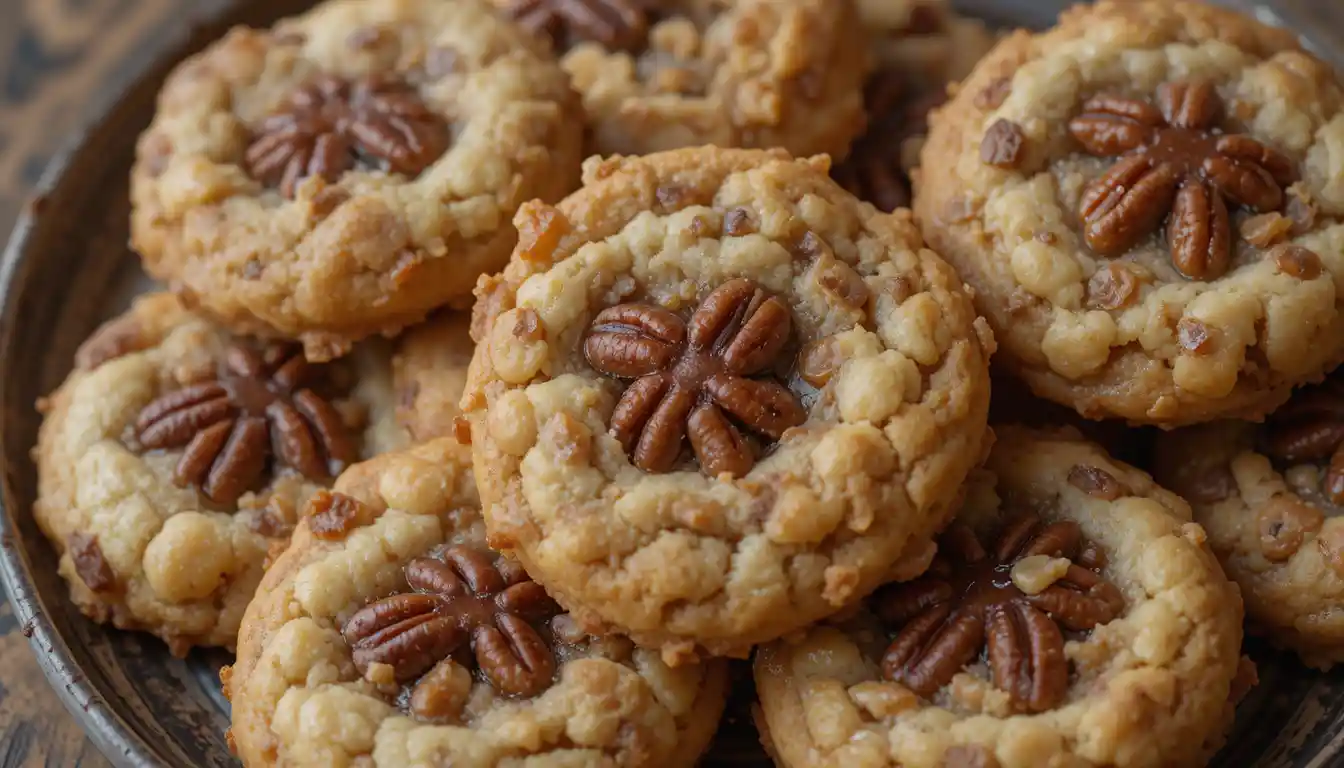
column 60, row 59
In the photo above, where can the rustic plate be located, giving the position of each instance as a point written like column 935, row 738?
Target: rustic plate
column 66, row 268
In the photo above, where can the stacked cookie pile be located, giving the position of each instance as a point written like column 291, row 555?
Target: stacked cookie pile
column 720, row 393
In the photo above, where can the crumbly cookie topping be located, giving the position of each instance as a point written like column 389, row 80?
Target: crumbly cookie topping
column 331, row 124
column 691, row 377
column 1149, row 222
column 1012, row 601
column 262, row 408
column 1174, row 163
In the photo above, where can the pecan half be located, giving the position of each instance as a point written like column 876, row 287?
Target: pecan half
column 259, row 410
column 948, row 616
column 463, row 597
column 691, row 380
column 1173, row 164
column 330, row 125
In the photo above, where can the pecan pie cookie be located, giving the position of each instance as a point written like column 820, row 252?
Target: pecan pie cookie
column 389, row 634
column 664, row 74
column 1147, row 200
column 175, row 455
column 716, row 398
column 349, row 170
column 920, row 47
column 1272, row 499
column 1073, row 616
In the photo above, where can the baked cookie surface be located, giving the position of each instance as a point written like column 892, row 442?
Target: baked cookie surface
column 716, row 398
column 390, row 635
column 682, row 73
column 176, row 455
column 1272, row 499
column 347, row 171
column 429, row 373
column 1147, row 202
column 1073, row 616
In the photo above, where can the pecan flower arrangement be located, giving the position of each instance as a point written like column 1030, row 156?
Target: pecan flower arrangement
column 1155, row 242
column 1070, row 592
column 176, row 454
column 349, row 170
column 716, row 398
column 390, row 613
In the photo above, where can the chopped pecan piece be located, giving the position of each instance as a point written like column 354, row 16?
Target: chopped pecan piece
column 1297, row 261
column 1309, row 429
column 113, row 339
column 1096, row 482
column 1284, row 524
column 1194, row 336
column 617, row 25
column 1114, row 286
column 258, row 410
column 692, row 379
column 331, row 125
column 1174, row 165
column 947, row 616
column 1004, row 145
column 463, row 597
column 331, row 516
column 92, row 567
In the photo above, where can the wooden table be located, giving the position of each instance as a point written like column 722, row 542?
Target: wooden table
column 56, row 58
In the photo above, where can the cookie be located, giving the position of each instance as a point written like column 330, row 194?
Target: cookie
column 716, row 398
column 920, row 47
column 176, row 455
column 1272, row 499
column 389, row 634
column 429, row 372
column 684, row 73
column 1074, row 616
column 1146, row 200
column 351, row 169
